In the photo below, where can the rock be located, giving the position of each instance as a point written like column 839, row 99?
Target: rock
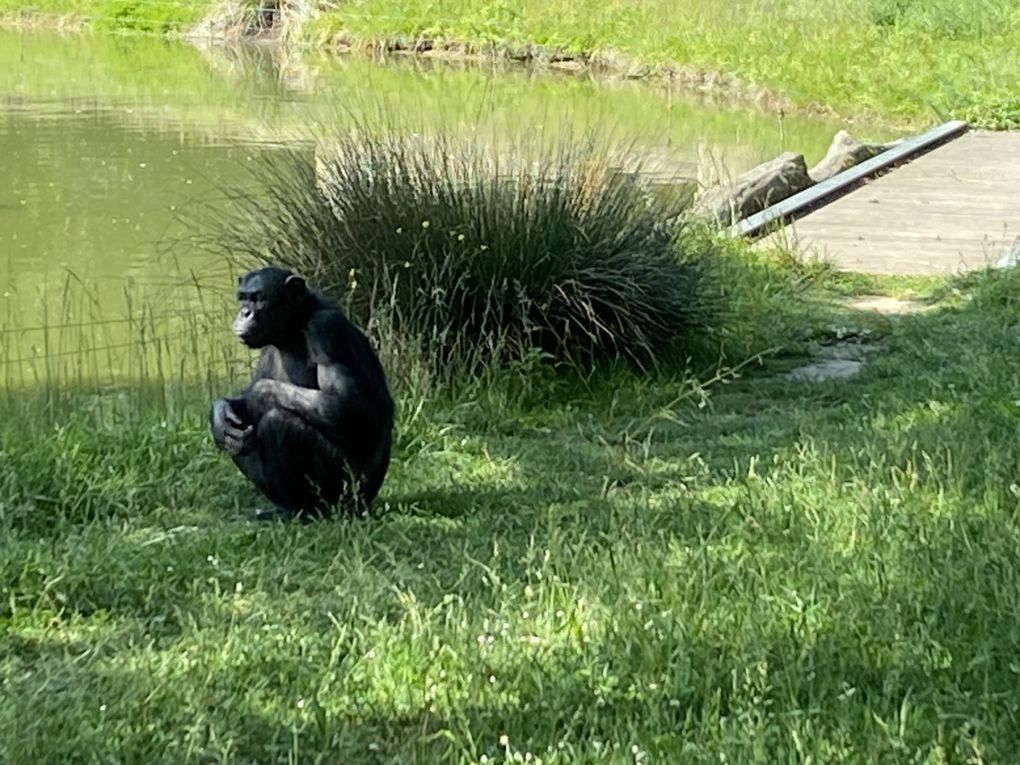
column 889, row 306
column 753, row 191
column 844, row 152
column 830, row 369
column 1010, row 257
column 846, row 351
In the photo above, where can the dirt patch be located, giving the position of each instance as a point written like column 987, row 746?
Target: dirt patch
column 887, row 306
column 838, row 360
column 231, row 20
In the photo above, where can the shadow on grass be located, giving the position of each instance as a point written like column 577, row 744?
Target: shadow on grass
column 797, row 570
column 902, row 652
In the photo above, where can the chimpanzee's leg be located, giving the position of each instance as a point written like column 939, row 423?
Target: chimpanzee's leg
column 374, row 472
column 294, row 465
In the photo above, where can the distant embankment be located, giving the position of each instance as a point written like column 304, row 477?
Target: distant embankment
column 889, row 63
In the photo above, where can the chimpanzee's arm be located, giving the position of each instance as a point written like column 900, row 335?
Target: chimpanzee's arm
column 345, row 403
column 338, row 405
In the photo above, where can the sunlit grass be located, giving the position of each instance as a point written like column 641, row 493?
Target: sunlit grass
column 915, row 61
column 901, row 60
column 136, row 16
column 607, row 570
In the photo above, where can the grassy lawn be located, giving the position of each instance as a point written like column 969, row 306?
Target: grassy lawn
column 620, row 571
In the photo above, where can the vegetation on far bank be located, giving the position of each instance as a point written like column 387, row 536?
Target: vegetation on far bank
column 916, row 61
column 895, row 59
column 136, row 16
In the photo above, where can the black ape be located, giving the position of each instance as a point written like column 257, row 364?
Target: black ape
column 314, row 427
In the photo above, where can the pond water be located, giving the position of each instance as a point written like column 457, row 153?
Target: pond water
column 105, row 141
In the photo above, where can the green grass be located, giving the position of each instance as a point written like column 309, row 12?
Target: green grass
column 620, row 570
column 134, row 16
column 911, row 60
column 905, row 61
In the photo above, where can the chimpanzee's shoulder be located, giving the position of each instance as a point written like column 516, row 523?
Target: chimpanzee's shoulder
column 329, row 319
column 331, row 334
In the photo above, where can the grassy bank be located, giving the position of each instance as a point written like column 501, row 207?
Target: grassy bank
column 911, row 60
column 614, row 571
column 134, row 16
column 898, row 59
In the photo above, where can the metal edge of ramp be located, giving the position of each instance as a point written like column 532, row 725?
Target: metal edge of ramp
column 822, row 193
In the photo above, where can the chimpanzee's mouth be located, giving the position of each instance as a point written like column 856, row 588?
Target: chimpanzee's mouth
column 247, row 339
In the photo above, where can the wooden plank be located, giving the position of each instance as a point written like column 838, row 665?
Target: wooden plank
column 905, row 260
column 935, row 229
column 951, row 210
column 842, row 182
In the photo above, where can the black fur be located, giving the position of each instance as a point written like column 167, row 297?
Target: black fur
column 314, row 428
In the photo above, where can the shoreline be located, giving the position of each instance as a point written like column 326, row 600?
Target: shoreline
column 605, row 67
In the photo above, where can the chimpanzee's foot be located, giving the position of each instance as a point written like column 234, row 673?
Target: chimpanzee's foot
column 274, row 514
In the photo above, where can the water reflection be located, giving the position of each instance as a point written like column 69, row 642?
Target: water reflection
column 104, row 141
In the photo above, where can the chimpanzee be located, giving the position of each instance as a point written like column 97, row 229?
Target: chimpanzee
column 314, row 427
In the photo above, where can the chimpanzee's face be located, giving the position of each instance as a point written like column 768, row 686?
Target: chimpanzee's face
column 266, row 302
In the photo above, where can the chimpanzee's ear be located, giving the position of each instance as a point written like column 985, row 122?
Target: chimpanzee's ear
column 295, row 285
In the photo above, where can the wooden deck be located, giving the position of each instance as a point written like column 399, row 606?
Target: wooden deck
column 953, row 209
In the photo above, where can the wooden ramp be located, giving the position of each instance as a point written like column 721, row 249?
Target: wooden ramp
column 956, row 208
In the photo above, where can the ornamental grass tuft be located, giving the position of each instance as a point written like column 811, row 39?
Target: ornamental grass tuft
column 471, row 254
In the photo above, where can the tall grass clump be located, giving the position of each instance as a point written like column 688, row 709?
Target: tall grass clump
column 473, row 254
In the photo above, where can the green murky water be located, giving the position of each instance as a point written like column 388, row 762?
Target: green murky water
column 104, row 141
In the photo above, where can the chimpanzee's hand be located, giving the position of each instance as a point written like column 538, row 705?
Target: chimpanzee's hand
column 239, row 441
column 229, row 431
